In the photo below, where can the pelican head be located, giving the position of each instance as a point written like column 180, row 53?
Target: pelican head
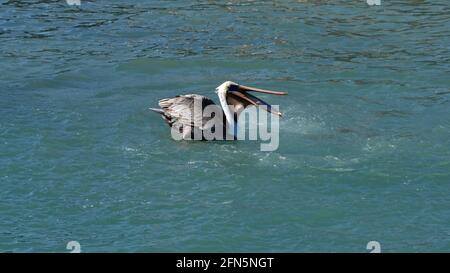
column 231, row 93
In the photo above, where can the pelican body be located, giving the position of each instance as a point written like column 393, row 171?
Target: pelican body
column 185, row 114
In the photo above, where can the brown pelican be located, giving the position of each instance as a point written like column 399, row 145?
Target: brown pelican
column 185, row 113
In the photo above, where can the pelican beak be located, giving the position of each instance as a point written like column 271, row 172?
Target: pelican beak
column 254, row 89
column 241, row 91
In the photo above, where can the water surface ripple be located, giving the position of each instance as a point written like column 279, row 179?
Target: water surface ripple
column 365, row 138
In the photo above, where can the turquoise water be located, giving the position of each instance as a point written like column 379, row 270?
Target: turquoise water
column 364, row 149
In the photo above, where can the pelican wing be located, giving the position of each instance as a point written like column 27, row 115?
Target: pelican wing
column 186, row 110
